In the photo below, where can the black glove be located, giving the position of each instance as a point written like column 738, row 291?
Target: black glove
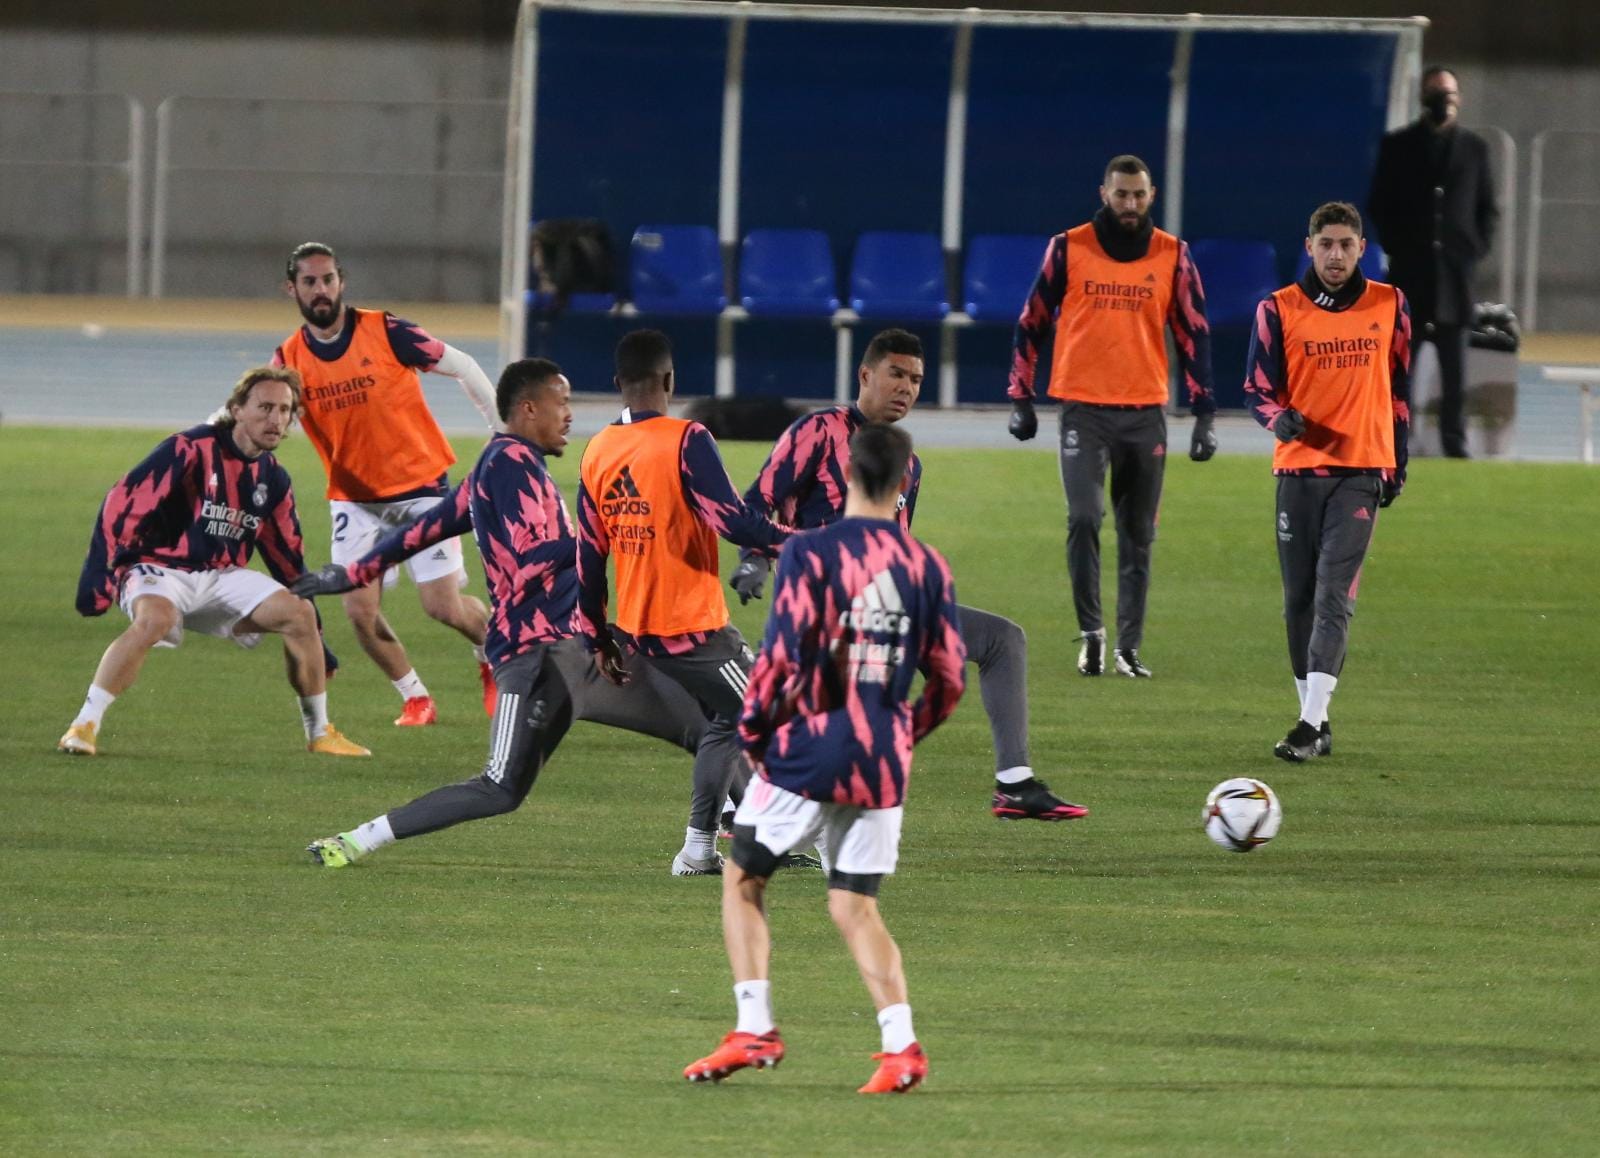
column 1389, row 490
column 1203, row 442
column 328, row 579
column 1289, row 425
column 330, row 662
column 1024, row 422
column 749, row 578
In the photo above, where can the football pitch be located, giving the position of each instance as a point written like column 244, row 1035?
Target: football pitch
column 1409, row 968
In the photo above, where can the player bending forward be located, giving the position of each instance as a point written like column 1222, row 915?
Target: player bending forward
column 545, row 678
column 173, row 543
column 859, row 608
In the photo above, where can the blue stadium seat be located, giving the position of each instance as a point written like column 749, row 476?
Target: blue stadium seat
column 677, row 269
column 1374, row 262
column 1000, row 271
column 1236, row 276
column 899, row 276
column 787, row 273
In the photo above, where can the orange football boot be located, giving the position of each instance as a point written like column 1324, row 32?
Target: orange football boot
column 490, row 693
column 897, row 1072
column 419, row 710
column 738, row 1051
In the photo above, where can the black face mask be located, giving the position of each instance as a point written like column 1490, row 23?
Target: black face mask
column 1436, row 107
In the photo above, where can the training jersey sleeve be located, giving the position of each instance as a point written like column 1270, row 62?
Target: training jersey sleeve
column 412, row 345
column 1191, row 334
column 415, row 347
column 1266, row 375
column 711, row 495
column 1038, row 314
column 1400, row 385
column 790, row 470
column 594, row 548
column 449, row 517
column 913, row 489
column 943, row 661
column 282, row 545
column 142, row 500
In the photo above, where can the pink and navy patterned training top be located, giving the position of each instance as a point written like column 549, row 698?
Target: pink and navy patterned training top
column 524, row 534
column 857, row 610
column 195, row 503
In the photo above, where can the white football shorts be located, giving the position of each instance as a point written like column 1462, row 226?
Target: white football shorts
column 210, row 602
column 357, row 527
column 863, row 841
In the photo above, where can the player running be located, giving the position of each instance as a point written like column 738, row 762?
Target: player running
column 859, row 608
column 1106, row 292
column 173, row 542
column 545, row 679
column 1329, row 373
column 655, row 496
column 802, row 484
column 384, row 454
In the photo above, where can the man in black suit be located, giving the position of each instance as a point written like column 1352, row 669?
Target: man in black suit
column 1433, row 209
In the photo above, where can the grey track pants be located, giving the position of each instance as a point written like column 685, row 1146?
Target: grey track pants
column 1000, row 649
column 1324, row 528
column 541, row 693
column 1132, row 444
column 715, row 673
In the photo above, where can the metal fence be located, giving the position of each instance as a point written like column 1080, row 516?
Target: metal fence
column 44, row 135
column 397, row 168
column 1572, row 160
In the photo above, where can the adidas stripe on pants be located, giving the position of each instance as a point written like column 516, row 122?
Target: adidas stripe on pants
column 716, row 673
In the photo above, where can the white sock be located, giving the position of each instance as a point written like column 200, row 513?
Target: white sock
column 409, row 686
column 1300, row 686
column 1319, row 690
column 698, row 843
column 314, row 714
column 479, row 654
column 372, row 835
column 94, row 706
column 1014, row 775
column 754, row 1000
column 895, row 1021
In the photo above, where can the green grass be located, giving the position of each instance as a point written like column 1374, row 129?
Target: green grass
column 1409, row 969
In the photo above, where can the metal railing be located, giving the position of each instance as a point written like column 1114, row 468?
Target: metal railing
column 1537, row 202
column 1507, row 243
column 167, row 167
column 130, row 165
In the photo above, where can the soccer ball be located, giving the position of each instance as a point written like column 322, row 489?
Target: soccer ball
column 1242, row 814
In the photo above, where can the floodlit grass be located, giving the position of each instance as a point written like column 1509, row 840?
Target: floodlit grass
column 1408, row 969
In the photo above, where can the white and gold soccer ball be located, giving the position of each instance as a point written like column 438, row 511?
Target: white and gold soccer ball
column 1242, row 814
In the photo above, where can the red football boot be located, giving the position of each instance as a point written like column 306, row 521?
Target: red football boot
column 486, row 677
column 897, row 1072
column 738, row 1051
column 419, row 710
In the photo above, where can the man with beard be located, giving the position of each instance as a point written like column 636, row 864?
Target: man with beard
column 1328, row 373
column 1106, row 291
column 1432, row 207
column 804, row 484
column 385, row 456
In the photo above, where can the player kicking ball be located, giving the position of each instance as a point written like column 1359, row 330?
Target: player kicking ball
column 173, row 543
column 860, row 607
